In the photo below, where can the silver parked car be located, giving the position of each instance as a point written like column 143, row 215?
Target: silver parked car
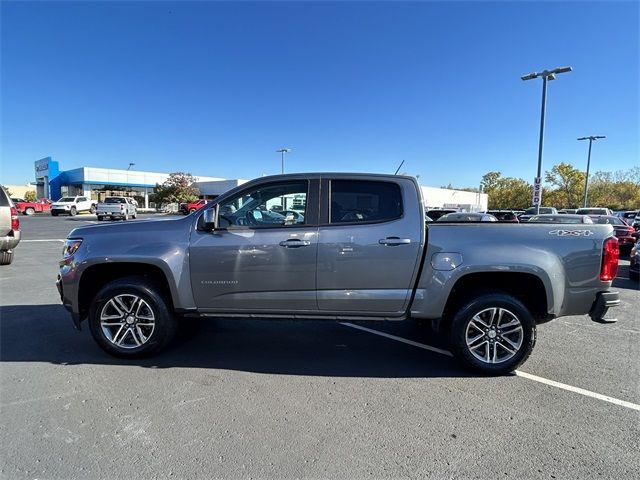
column 467, row 217
column 560, row 218
column 9, row 228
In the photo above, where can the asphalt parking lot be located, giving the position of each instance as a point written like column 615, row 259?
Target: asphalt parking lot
column 284, row 399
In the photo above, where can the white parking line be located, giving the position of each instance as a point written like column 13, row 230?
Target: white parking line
column 519, row 373
column 44, row 240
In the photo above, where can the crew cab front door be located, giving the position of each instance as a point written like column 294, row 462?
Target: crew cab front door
column 371, row 238
column 259, row 259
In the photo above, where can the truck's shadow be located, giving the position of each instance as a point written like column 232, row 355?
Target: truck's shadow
column 43, row 333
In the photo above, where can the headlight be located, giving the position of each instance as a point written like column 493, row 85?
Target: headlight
column 71, row 246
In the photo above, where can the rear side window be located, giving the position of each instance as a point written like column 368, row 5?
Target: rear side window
column 354, row 201
column 4, row 200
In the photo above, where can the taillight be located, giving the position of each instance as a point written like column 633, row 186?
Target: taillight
column 15, row 221
column 610, row 253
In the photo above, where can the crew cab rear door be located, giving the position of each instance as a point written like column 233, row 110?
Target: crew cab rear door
column 370, row 244
column 259, row 260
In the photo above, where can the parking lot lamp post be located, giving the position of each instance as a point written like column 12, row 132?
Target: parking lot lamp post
column 591, row 138
column 546, row 75
column 282, row 152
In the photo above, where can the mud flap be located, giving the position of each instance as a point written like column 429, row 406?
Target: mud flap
column 600, row 308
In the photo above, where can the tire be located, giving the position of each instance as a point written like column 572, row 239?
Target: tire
column 135, row 215
column 100, row 218
column 634, row 276
column 125, row 217
column 6, row 257
column 29, row 211
column 73, row 212
column 505, row 351
column 154, row 305
column 192, row 210
column 92, row 210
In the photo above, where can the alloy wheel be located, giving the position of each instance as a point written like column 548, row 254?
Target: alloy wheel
column 127, row 321
column 494, row 335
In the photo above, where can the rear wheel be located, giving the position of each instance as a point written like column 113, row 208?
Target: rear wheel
column 493, row 333
column 54, row 214
column 6, row 257
column 29, row 211
column 125, row 216
column 192, row 210
column 73, row 212
column 130, row 318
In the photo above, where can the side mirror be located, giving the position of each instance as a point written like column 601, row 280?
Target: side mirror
column 209, row 219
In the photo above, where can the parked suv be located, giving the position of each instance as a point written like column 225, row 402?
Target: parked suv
column 73, row 205
column 9, row 228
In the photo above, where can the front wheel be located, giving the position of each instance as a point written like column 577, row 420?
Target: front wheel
column 493, row 333
column 73, row 212
column 130, row 318
column 192, row 210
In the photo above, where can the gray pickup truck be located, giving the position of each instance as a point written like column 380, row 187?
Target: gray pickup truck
column 336, row 247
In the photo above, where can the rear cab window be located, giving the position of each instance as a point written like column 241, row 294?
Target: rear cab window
column 364, row 201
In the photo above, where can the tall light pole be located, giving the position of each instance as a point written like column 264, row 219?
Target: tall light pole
column 586, row 180
column 546, row 75
column 130, row 165
column 282, row 152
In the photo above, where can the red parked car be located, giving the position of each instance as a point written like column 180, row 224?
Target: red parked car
column 623, row 230
column 29, row 208
column 191, row 207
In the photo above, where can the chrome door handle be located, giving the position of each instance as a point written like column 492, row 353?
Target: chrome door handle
column 394, row 241
column 294, row 243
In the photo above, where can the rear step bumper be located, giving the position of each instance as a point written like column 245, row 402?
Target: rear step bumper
column 604, row 301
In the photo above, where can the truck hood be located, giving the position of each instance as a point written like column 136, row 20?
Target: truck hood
column 128, row 231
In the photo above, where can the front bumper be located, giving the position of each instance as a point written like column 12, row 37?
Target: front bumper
column 75, row 316
column 604, row 301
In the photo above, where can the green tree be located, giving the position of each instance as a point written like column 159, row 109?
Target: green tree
column 30, row 196
column 9, row 194
column 177, row 188
column 569, row 182
column 506, row 192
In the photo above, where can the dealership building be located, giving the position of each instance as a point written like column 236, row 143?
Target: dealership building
column 98, row 183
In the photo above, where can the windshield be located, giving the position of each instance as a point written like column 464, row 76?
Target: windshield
column 609, row 221
column 66, row 199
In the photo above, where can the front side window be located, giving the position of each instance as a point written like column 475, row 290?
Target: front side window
column 364, row 201
column 273, row 205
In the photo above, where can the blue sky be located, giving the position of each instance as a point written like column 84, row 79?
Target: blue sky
column 215, row 88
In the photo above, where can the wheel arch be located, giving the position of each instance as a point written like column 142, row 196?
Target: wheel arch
column 96, row 276
column 528, row 288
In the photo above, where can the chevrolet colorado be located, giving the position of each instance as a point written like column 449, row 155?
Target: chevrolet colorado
column 360, row 251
